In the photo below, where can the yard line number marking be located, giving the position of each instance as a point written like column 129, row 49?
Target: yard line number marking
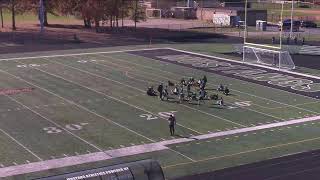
column 153, row 117
column 71, row 127
column 91, row 60
column 30, row 65
column 240, row 104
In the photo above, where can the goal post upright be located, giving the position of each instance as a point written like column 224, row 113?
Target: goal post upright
column 245, row 36
column 266, row 54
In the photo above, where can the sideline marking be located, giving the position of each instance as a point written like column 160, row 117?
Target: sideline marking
column 58, row 125
column 145, row 148
column 24, row 147
column 80, row 54
column 259, row 112
column 82, row 107
column 161, row 48
column 110, row 97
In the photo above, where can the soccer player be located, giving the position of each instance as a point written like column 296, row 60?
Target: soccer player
column 205, row 80
column 202, row 95
column 221, row 102
column 172, row 123
column 226, row 91
column 165, row 93
column 151, row 92
column 160, row 90
column 181, row 95
column 189, row 89
column 220, row 88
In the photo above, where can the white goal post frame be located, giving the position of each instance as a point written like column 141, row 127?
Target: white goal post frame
column 278, row 52
column 245, row 42
column 153, row 9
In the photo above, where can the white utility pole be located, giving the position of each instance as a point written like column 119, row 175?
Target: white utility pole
column 291, row 28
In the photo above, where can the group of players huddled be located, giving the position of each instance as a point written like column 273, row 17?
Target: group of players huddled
column 188, row 90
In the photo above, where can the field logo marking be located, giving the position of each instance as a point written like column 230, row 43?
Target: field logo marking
column 247, row 72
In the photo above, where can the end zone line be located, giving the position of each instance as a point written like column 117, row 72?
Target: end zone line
column 145, row 148
column 294, row 106
column 240, row 62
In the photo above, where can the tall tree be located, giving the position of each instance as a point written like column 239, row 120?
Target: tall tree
column 13, row 14
column 137, row 13
column 1, row 14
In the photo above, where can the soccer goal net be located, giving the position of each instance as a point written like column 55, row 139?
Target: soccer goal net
column 154, row 13
column 275, row 58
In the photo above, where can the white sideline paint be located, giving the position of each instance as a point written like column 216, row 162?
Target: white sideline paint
column 149, row 49
column 80, row 54
column 133, row 150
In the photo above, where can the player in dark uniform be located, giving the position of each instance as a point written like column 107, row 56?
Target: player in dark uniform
column 205, row 80
column 226, row 91
column 160, row 90
column 172, row 123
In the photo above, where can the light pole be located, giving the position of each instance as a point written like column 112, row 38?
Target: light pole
column 291, row 28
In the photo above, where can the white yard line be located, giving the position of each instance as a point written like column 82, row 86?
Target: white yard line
column 149, row 67
column 78, row 105
column 20, row 144
column 209, row 114
column 56, row 124
column 259, row 112
column 144, row 91
column 139, row 149
column 98, row 76
column 111, row 97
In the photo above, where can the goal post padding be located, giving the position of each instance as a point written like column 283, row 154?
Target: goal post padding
column 275, row 58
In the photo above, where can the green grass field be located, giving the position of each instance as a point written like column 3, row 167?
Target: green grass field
column 90, row 103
